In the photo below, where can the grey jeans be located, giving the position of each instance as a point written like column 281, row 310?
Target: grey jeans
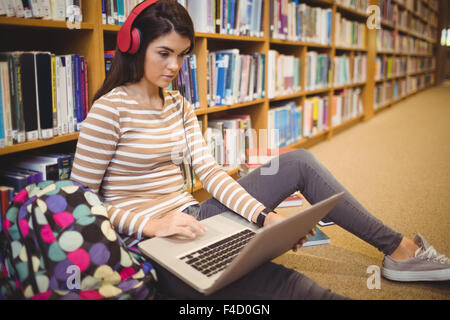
column 297, row 170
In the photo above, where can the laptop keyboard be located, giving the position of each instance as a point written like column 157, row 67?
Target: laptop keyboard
column 217, row 256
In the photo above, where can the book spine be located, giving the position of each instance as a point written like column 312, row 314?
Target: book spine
column 78, row 90
column 6, row 89
column 2, row 127
column 120, row 12
column 193, row 63
column 44, row 94
column 54, row 97
column 28, row 81
column 84, row 92
column 70, row 94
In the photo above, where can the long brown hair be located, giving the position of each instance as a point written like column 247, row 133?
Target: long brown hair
column 159, row 19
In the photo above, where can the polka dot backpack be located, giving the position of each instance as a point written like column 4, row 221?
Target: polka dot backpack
column 58, row 243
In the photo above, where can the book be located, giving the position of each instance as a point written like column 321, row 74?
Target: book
column 28, row 82
column 6, row 194
column 318, row 239
column 58, row 10
column 48, row 167
column 63, row 160
column 324, row 223
column 15, row 100
column 2, row 93
column 294, row 200
column 16, row 181
column 44, row 94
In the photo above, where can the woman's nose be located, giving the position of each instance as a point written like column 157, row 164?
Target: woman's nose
column 173, row 65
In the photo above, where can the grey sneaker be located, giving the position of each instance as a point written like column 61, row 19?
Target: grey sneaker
column 426, row 266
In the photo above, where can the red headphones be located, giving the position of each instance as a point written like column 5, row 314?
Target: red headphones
column 129, row 38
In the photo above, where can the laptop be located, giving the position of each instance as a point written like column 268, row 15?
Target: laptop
column 231, row 247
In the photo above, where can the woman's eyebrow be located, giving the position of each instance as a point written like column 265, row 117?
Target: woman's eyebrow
column 171, row 50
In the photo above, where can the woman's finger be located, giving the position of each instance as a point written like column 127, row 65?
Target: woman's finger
column 194, row 224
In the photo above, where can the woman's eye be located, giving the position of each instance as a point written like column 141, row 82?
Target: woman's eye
column 164, row 54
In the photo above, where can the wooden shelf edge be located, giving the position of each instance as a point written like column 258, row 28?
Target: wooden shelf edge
column 347, row 124
column 38, row 144
column 214, row 109
column 40, row 23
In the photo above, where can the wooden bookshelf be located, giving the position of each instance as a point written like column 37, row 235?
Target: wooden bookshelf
column 93, row 38
column 409, row 77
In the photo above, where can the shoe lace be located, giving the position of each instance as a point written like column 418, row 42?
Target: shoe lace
column 431, row 253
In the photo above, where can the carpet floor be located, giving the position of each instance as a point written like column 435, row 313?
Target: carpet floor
column 398, row 167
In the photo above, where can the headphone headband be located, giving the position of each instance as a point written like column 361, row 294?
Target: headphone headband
column 128, row 38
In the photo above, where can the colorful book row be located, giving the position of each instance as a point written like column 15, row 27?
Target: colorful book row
column 187, row 81
column 59, row 10
column 284, row 125
column 230, row 139
column 233, row 17
column 318, row 71
column 350, row 34
column 291, row 20
column 285, row 74
column 42, row 95
column 115, row 12
column 233, row 77
column 345, row 105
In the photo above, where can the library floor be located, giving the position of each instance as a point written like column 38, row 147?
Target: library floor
column 398, row 166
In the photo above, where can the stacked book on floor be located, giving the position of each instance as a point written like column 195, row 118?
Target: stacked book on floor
column 292, row 204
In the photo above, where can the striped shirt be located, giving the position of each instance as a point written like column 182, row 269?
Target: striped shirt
column 130, row 154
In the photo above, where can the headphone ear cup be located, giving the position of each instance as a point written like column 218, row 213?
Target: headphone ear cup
column 135, row 41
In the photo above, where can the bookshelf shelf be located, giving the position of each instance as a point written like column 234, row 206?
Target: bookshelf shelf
column 38, row 144
column 299, row 43
column 288, row 96
column 94, row 38
column 115, row 28
column 350, row 49
column 351, row 11
column 228, row 37
column 228, row 107
column 310, row 141
column 110, row 27
column 39, row 23
column 317, row 91
column 347, row 124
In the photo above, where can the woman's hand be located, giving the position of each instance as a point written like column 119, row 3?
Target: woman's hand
column 273, row 218
column 178, row 224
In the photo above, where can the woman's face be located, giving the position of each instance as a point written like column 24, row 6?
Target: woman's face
column 164, row 57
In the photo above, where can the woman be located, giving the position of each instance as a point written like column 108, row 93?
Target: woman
column 136, row 134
